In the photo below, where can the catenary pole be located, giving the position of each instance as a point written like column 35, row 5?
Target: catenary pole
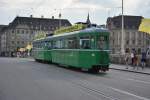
column 122, row 32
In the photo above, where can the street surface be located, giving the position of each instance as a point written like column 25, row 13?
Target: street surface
column 25, row 79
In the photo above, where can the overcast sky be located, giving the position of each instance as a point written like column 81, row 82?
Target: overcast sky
column 73, row 10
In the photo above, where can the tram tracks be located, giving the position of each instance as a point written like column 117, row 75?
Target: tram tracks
column 101, row 90
column 95, row 89
column 97, row 92
column 85, row 86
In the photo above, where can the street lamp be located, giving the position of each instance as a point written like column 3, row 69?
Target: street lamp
column 122, row 33
column 60, row 20
column 59, row 16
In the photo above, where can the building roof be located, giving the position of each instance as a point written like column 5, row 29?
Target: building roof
column 2, row 27
column 39, row 22
column 129, row 21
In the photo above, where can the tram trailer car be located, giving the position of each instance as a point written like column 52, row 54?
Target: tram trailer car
column 86, row 49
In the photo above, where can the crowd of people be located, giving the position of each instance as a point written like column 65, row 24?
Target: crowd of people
column 23, row 54
column 134, row 59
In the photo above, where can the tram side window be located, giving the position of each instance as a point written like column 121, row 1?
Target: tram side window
column 101, row 43
column 58, row 44
column 39, row 45
column 65, row 44
column 72, row 43
column 45, row 44
column 54, row 45
column 49, row 45
column 42, row 44
column 34, row 45
column 85, row 43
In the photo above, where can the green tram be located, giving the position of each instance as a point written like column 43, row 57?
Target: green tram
column 87, row 49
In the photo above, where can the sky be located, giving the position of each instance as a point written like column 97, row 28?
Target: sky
column 73, row 10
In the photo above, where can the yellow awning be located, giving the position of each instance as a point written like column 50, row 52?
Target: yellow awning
column 22, row 49
column 29, row 47
column 145, row 26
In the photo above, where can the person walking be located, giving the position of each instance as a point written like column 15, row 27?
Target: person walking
column 127, row 56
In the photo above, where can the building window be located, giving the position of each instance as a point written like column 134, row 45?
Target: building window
column 127, row 50
column 32, row 32
column 139, row 50
column 22, row 42
column 12, row 31
column 27, row 31
column 44, row 28
column 31, row 27
column 139, row 42
column 13, row 42
column 22, row 31
column 133, row 34
column 18, row 31
column 113, row 42
column 140, row 35
column 18, row 42
column 113, row 50
column 133, row 27
column 133, row 42
column 147, row 42
column 127, row 35
column 113, row 33
column 127, row 42
column 52, row 28
column 36, row 27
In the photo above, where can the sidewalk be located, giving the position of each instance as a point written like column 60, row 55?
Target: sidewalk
column 130, row 69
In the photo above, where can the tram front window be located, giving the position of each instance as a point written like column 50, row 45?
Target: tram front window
column 101, row 43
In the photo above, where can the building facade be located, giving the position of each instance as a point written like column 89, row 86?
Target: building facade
column 2, row 27
column 21, row 31
column 133, row 39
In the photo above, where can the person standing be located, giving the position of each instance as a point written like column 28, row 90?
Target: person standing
column 143, row 59
column 136, row 61
column 132, row 58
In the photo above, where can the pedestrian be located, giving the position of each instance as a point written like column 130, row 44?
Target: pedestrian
column 132, row 58
column 136, row 61
column 127, row 56
column 143, row 59
column 18, row 54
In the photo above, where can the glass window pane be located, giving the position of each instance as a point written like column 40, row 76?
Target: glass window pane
column 85, row 43
column 101, row 43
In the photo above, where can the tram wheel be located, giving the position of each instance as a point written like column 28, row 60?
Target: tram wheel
column 94, row 70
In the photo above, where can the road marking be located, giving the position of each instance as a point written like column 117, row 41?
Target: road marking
column 128, row 93
column 139, row 81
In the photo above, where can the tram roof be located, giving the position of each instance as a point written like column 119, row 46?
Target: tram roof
column 94, row 29
column 85, row 31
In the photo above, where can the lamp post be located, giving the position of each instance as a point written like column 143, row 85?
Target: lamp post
column 122, row 33
column 60, row 20
column 59, row 16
